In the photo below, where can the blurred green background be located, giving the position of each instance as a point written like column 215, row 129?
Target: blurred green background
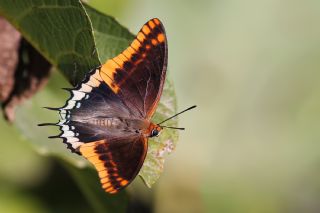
column 252, row 145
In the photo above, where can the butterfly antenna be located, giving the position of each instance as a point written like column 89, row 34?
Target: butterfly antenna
column 177, row 114
column 171, row 127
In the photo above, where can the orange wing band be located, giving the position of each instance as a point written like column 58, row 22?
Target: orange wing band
column 110, row 68
column 107, row 178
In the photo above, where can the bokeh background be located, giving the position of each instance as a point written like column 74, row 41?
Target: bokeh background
column 253, row 143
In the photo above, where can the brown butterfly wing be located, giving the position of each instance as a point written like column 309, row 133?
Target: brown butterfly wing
column 91, row 100
column 137, row 74
column 117, row 161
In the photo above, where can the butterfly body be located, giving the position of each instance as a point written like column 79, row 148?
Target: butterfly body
column 120, row 126
column 108, row 117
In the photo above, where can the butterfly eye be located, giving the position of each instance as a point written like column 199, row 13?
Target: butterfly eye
column 154, row 133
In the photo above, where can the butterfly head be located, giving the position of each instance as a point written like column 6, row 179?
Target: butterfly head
column 159, row 127
column 154, row 130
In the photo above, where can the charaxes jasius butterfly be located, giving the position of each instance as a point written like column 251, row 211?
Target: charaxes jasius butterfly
column 107, row 118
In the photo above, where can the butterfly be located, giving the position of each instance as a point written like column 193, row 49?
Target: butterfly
column 107, row 119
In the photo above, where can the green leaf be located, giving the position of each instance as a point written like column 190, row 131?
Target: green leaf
column 73, row 38
column 111, row 38
column 60, row 30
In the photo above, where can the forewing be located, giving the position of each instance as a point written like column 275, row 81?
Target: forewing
column 117, row 161
column 138, row 73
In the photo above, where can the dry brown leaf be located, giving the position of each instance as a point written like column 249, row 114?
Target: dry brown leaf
column 9, row 45
column 23, row 70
